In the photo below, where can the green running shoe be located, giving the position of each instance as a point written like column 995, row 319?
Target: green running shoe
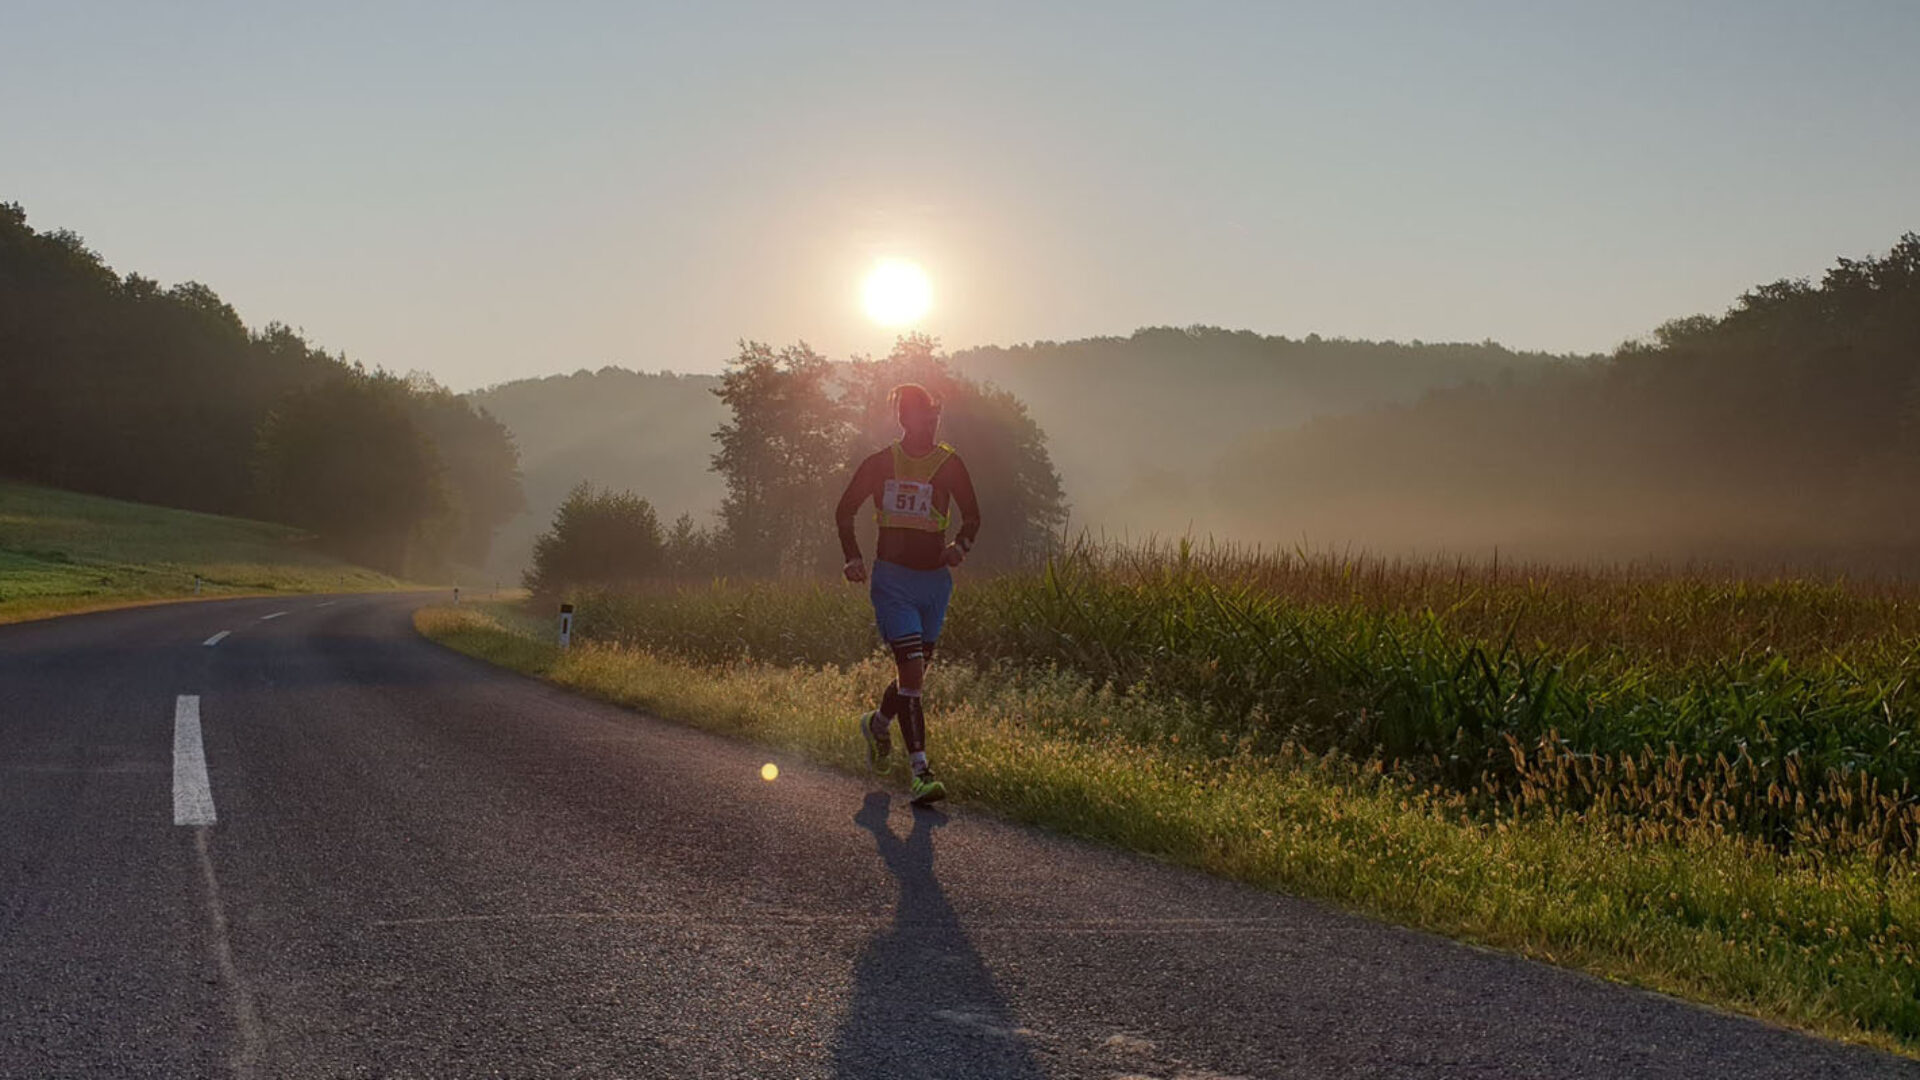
column 926, row 789
column 879, row 744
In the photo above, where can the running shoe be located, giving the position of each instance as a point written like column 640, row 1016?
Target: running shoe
column 879, row 744
column 926, row 789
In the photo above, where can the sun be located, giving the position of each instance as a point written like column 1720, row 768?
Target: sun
column 896, row 292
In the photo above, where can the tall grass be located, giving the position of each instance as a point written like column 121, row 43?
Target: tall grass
column 1785, row 709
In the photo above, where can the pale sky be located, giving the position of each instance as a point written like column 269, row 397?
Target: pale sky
column 487, row 191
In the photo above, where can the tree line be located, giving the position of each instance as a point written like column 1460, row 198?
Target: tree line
column 797, row 425
column 117, row 386
column 1784, row 431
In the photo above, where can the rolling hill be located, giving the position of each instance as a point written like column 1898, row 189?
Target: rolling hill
column 1134, row 424
column 63, row 552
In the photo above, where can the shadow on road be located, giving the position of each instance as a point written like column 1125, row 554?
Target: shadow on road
column 924, row 1004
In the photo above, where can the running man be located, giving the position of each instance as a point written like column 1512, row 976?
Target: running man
column 911, row 482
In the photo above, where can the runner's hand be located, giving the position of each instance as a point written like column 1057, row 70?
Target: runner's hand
column 955, row 555
column 856, row 571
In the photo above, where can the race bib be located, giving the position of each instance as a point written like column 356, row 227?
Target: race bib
column 907, row 498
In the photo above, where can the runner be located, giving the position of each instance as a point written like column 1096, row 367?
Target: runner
column 911, row 483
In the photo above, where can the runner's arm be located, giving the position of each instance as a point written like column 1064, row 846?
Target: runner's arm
column 859, row 490
column 969, row 504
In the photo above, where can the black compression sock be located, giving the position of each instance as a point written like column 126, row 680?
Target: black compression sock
column 913, row 726
column 891, row 703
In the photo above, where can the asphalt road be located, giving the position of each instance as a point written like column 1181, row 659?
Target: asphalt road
column 419, row 866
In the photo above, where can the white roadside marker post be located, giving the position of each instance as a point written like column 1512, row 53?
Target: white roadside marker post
column 456, row 594
column 566, row 625
column 196, row 584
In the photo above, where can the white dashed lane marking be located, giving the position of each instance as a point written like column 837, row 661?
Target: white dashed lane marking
column 192, row 796
column 275, row 615
column 215, row 639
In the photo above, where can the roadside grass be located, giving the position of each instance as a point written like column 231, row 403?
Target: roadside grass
column 1816, row 937
column 63, row 552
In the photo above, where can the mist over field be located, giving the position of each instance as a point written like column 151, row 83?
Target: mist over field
column 1138, row 426
column 1784, row 433
column 649, row 433
column 1147, row 428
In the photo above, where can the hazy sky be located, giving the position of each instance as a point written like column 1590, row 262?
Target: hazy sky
column 488, row 191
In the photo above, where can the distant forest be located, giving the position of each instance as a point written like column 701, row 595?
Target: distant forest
column 1138, row 423
column 1786, row 431
column 1133, row 424
column 117, row 386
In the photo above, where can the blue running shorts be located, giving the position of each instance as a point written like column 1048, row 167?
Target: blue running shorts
column 909, row 602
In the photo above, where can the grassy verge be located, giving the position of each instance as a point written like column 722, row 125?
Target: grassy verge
column 1815, row 938
column 62, row 552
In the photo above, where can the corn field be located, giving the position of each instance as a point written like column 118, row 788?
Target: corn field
column 1652, row 700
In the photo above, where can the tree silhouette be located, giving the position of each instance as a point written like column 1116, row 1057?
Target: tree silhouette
column 598, row 538
column 781, row 456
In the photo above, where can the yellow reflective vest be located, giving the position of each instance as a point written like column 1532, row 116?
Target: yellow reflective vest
column 906, row 497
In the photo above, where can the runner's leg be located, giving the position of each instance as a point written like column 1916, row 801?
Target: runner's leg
column 935, row 590
column 891, row 706
column 910, row 661
column 898, row 615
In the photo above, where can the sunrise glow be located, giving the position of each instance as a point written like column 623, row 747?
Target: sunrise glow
column 896, row 293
